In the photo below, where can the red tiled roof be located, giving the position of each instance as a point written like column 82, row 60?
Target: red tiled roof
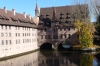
column 27, row 21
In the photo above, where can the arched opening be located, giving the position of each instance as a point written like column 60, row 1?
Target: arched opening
column 46, row 46
column 64, row 47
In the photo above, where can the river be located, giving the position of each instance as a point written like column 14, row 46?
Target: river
column 55, row 58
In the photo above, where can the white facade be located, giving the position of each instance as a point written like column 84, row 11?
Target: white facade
column 16, row 40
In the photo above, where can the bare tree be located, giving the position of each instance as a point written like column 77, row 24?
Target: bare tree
column 81, row 10
column 95, row 6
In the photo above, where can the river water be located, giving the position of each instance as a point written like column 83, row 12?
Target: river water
column 55, row 58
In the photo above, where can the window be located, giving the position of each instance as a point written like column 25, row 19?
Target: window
column 49, row 37
column 55, row 37
column 23, row 40
column 6, row 42
column 5, row 27
column 2, row 42
column 9, row 27
column 23, row 34
column 65, row 35
column 6, row 34
column 77, row 36
column 61, row 36
column 1, row 26
column 2, row 34
column 68, row 28
column 49, row 29
column 45, row 36
column 27, row 34
column 64, row 28
column 16, row 41
column 16, row 34
column 9, row 41
column 23, row 28
column 69, row 35
column 9, row 34
column 18, row 28
column 41, row 36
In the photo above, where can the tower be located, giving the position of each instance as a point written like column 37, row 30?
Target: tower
column 36, row 10
column 36, row 17
column 54, row 14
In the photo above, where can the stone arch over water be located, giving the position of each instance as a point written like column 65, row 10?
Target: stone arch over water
column 62, row 47
column 47, row 46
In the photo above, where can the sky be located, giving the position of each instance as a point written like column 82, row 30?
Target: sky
column 28, row 6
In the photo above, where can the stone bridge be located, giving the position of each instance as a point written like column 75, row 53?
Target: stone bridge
column 54, row 40
column 52, row 37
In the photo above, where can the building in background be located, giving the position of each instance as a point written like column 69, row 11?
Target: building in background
column 56, row 24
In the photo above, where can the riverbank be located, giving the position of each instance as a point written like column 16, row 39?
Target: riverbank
column 94, row 48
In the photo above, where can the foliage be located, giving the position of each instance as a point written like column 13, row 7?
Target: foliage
column 85, row 32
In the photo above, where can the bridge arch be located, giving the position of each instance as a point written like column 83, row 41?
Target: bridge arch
column 66, row 46
column 47, row 46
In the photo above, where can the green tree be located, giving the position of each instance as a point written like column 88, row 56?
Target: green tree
column 85, row 32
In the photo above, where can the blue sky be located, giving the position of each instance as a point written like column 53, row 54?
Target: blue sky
column 28, row 6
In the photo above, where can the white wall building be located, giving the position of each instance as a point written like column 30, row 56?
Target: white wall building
column 18, row 33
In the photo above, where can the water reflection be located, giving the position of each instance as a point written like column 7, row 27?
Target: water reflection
column 54, row 58
column 26, row 60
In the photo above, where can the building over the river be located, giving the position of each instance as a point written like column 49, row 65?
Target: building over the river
column 56, row 24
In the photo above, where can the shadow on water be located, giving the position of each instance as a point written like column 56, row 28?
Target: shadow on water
column 47, row 53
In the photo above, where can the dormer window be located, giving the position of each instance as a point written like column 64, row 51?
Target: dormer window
column 14, row 19
column 24, row 21
column 2, row 17
column 61, row 14
column 61, row 18
column 67, row 17
column 67, row 13
column 68, row 22
column 6, row 18
column 47, row 15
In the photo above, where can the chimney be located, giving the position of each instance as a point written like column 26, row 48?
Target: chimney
column 13, row 10
column 5, row 9
column 24, row 13
column 29, row 16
